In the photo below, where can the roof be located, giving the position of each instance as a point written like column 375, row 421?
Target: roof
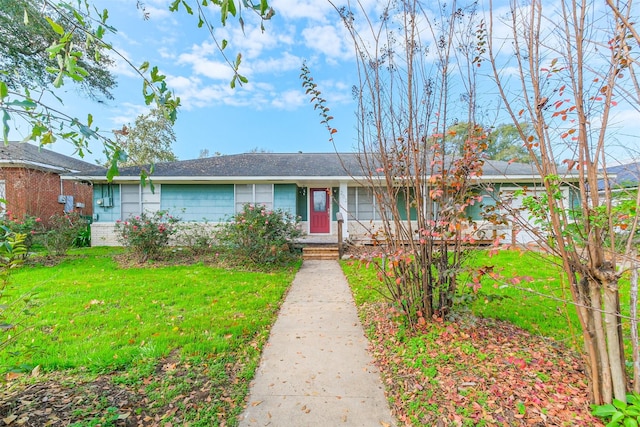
column 24, row 154
column 279, row 166
column 625, row 175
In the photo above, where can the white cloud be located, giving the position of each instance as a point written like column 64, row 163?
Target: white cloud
column 120, row 65
column 200, row 65
column 253, row 42
column 127, row 113
column 303, row 9
column 158, row 13
column 194, row 93
column 328, row 40
column 289, row 100
column 285, row 62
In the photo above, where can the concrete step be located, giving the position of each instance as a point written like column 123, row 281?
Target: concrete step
column 324, row 252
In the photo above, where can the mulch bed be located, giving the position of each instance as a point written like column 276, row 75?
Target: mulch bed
column 477, row 372
column 62, row 399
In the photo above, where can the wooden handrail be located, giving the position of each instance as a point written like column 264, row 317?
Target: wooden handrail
column 340, row 222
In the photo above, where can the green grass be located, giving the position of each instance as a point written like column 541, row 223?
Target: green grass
column 539, row 303
column 155, row 333
column 92, row 314
column 532, row 293
column 425, row 369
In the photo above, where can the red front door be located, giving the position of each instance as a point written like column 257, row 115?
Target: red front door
column 319, row 218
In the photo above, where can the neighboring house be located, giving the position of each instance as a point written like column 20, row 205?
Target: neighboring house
column 30, row 182
column 313, row 186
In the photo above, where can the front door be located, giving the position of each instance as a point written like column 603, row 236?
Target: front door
column 319, row 218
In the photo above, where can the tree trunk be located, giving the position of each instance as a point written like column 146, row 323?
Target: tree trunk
column 580, row 293
column 612, row 317
column 634, row 321
column 603, row 368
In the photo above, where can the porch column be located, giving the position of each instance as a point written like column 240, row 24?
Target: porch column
column 343, row 209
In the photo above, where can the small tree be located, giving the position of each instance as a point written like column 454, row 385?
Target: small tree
column 570, row 77
column 261, row 235
column 419, row 179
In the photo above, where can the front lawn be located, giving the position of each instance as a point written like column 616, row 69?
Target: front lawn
column 513, row 365
column 164, row 344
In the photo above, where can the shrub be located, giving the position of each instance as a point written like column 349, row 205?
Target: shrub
column 83, row 239
column 29, row 226
column 148, row 234
column 12, row 253
column 63, row 230
column 620, row 413
column 260, row 235
column 197, row 237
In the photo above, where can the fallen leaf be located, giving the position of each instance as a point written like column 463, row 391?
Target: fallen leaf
column 8, row 420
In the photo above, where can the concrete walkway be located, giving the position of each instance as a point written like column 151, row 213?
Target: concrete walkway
column 315, row 369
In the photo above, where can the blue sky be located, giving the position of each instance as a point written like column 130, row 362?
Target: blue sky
column 271, row 112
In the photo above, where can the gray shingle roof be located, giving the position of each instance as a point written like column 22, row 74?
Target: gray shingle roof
column 265, row 165
column 626, row 175
column 29, row 155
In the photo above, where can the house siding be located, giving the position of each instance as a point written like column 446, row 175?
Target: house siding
column 102, row 213
column 335, row 203
column 284, row 198
column 301, row 204
column 35, row 193
column 198, row 202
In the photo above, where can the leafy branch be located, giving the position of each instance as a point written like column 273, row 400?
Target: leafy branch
column 319, row 103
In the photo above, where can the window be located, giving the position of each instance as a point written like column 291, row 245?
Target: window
column 136, row 199
column 319, row 201
column 362, row 204
column 255, row 194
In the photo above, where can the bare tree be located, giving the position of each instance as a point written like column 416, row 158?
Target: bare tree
column 569, row 79
column 408, row 59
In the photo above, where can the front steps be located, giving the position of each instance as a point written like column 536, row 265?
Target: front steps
column 321, row 252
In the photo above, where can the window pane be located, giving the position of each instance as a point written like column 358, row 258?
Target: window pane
column 365, row 204
column 264, row 195
column 319, row 201
column 244, row 195
column 351, row 202
column 130, row 194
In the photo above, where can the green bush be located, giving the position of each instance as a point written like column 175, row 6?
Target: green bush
column 63, row 231
column 620, row 413
column 12, row 253
column 29, row 226
column 260, row 235
column 148, row 234
column 83, row 239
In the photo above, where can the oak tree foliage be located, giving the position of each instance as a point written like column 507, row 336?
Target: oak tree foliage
column 149, row 140
column 26, row 36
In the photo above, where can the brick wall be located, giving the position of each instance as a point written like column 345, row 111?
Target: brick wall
column 34, row 192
